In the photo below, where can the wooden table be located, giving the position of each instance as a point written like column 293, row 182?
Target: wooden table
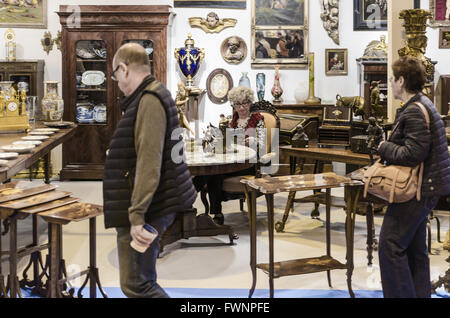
column 188, row 224
column 271, row 185
column 24, row 161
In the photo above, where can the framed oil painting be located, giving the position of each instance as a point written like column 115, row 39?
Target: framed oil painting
column 336, row 61
column 23, row 14
column 440, row 10
column 370, row 15
column 279, row 33
column 444, row 38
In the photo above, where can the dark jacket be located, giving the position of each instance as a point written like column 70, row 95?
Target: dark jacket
column 175, row 192
column 413, row 142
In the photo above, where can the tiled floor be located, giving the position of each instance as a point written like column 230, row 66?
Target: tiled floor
column 185, row 265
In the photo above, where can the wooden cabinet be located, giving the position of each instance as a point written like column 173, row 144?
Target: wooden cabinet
column 89, row 42
column 30, row 71
column 373, row 71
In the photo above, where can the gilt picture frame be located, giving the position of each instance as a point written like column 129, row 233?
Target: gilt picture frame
column 440, row 11
column 27, row 14
column 279, row 34
column 336, row 61
column 370, row 15
column 444, row 38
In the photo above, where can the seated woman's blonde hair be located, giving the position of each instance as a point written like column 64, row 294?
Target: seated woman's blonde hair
column 241, row 93
column 133, row 55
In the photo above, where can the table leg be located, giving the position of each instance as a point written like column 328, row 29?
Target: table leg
column 55, row 258
column 279, row 226
column 370, row 233
column 269, row 201
column 252, row 221
column 328, row 234
column 292, row 164
column 14, row 287
column 47, row 168
column 351, row 197
column 3, row 292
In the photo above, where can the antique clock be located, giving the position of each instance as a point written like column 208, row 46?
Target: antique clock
column 13, row 116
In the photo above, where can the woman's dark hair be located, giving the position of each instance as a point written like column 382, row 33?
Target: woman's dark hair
column 413, row 71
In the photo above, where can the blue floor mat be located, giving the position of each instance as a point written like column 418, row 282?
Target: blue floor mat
column 116, row 292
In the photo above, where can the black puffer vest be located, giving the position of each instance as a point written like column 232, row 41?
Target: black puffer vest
column 175, row 192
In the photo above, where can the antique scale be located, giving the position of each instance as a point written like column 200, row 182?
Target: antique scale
column 13, row 115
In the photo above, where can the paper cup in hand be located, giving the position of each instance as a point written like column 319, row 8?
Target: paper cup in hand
column 149, row 232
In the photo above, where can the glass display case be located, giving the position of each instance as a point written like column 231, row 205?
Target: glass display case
column 91, row 98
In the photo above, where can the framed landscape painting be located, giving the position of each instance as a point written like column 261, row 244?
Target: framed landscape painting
column 23, row 14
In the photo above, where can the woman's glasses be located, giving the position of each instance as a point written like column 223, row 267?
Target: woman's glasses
column 244, row 103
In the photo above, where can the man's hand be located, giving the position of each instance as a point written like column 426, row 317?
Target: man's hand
column 136, row 233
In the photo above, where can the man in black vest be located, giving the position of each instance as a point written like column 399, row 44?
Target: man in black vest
column 142, row 184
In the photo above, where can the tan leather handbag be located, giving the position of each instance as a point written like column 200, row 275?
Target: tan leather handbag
column 394, row 183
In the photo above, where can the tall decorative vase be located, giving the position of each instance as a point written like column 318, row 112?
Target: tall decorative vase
column 244, row 80
column 311, row 98
column 260, row 85
column 277, row 91
column 52, row 104
column 301, row 92
column 189, row 58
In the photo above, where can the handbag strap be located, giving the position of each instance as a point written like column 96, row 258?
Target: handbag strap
column 427, row 119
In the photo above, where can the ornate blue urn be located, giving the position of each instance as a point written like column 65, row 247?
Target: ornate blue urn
column 189, row 58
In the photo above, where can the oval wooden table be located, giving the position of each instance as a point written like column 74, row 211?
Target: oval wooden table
column 188, row 223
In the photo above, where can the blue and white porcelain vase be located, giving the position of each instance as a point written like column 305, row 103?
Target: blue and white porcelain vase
column 260, row 85
column 244, row 80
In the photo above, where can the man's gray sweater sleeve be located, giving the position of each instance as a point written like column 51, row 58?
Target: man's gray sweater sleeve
column 149, row 134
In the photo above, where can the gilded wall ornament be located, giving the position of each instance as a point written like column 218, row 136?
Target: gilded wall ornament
column 330, row 18
column 212, row 23
column 47, row 42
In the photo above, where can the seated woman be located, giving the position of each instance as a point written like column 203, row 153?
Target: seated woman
column 241, row 99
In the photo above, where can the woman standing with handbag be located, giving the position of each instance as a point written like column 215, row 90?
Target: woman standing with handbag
column 404, row 262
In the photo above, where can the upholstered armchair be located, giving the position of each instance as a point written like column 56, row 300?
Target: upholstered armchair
column 232, row 187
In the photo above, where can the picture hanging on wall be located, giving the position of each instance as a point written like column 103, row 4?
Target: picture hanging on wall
column 232, row 4
column 218, row 84
column 23, row 14
column 444, row 38
column 440, row 11
column 279, row 33
column 370, row 15
column 336, row 61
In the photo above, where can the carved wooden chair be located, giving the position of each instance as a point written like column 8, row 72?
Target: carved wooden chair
column 232, row 187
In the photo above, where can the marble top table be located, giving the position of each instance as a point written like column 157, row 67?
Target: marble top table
column 200, row 163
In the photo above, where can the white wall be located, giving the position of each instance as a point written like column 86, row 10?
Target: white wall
column 29, row 47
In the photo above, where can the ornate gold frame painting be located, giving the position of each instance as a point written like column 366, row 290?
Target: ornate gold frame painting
column 279, row 33
column 23, row 14
column 444, row 38
column 336, row 61
column 440, row 10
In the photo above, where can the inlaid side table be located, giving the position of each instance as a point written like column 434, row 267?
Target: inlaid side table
column 271, row 185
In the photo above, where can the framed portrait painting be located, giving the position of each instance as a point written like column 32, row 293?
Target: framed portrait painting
column 440, row 11
column 370, row 15
column 23, row 14
column 336, row 61
column 279, row 33
column 218, row 84
column 444, row 38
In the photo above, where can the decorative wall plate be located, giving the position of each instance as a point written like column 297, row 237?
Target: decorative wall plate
column 35, row 137
column 19, row 148
column 58, row 124
column 8, row 155
column 233, row 49
column 218, row 85
column 40, row 133
column 93, row 78
column 27, row 142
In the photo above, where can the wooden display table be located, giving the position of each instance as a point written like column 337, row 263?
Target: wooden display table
column 57, row 208
column 271, row 185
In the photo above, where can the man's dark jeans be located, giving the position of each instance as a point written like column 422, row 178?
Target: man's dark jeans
column 138, row 271
column 404, row 262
